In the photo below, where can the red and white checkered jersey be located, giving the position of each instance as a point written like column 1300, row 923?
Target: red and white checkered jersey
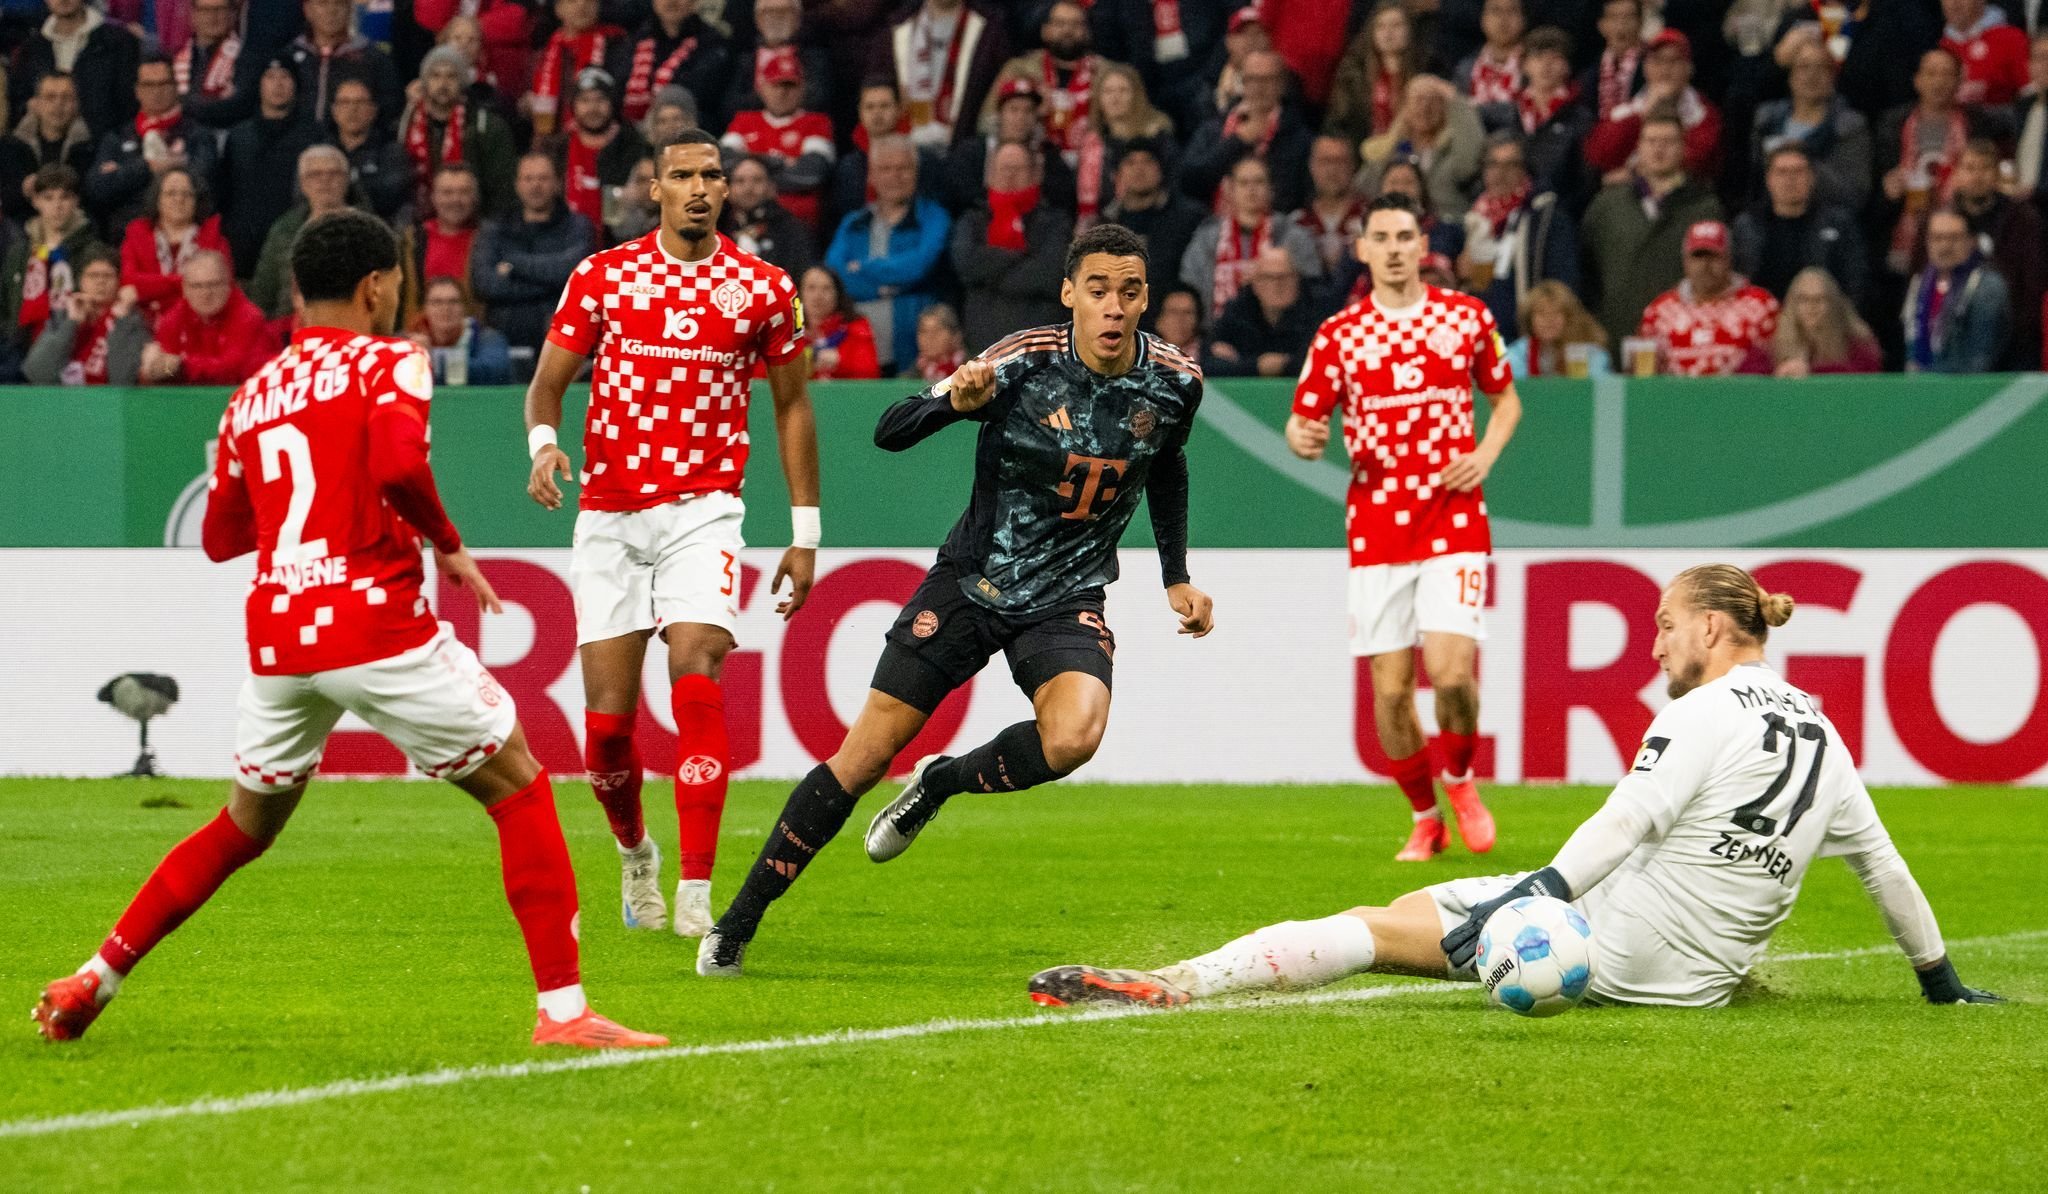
column 1696, row 339
column 1403, row 381
column 338, row 574
column 676, row 343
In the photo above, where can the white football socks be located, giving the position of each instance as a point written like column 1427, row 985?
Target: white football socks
column 110, row 978
column 1293, row 953
column 564, row 1003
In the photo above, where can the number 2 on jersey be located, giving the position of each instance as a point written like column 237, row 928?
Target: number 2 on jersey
column 1751, row 816
column 281, row 446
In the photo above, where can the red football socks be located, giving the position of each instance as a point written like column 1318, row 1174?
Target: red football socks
column 1457, row 750
column 615, row 773
column 186, row 878
column 539, row 882
column 1417, row 784
column 702, row 757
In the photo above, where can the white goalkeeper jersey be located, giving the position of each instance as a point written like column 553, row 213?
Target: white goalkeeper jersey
column 1743, row 782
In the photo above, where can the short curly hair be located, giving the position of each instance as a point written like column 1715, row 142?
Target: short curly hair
column 1113, row 239
column 334, row 253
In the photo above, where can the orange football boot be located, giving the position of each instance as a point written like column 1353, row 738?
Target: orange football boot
column 68, row 1007
column 592, row 1031
column 1063, row 985
column 1475, row 824
column 1426, row 842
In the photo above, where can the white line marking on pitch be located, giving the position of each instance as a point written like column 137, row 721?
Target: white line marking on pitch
column 348, row 1088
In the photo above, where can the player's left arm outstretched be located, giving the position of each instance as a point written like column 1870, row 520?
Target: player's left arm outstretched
column 1860, row 839
column 796, row 439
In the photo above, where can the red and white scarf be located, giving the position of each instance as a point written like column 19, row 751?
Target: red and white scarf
column 1906, row 233
column 1496, row 210
column 1230, row 127
column 421, row 153
column 1006, row 214
column 1066, row 108
column 170, row 255
column 1088, row 177
column 145, row 124
column 88, row 363
column 1617, row 75
column 1235, row 251
column 930, row 99
column 1496, row 82
column 647, row 78
column 1536, row 112
column 585, row 191
column 1386, row 100
column 219, row 79
column 584, row 49
column 1169, row 44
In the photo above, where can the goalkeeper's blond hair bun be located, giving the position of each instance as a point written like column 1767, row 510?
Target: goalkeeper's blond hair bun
column 1729, row 590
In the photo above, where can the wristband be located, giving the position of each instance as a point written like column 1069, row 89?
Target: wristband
column 537, row 437
column 804, row 527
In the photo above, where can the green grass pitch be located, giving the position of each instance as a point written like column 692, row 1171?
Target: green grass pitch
column 373, row 942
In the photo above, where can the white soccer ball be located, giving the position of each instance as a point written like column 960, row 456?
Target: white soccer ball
column 1536, row 956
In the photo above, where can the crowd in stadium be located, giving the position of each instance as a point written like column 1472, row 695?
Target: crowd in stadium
column 1688, row 187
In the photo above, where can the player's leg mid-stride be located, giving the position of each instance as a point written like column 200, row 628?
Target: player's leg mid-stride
column 338, row 622
column 657, row 536
column 1415, row 516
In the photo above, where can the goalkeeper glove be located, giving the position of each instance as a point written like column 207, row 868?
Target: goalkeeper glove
column 1940, row 985
column 1462, row 942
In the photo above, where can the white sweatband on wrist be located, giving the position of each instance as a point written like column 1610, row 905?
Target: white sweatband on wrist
column 538, row 437
column 804, row 528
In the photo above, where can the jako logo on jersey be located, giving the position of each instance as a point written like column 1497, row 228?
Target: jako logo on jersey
column 1408, row 375
column 699, row 769
column 1442, row 341
column 1653, row 749
column 730, row 298
column 649, row 289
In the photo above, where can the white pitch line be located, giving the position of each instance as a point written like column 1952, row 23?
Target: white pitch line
column 348, row 1088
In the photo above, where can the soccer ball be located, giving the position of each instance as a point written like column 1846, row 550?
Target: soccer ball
column 1536, row 956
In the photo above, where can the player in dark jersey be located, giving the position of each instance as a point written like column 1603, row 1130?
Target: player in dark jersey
column 1078, row 422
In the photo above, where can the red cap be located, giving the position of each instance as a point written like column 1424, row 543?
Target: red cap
column 782, row 68
column 1013, row 88
column 1248, row 15
column 1670, row 37
column 1707, row 236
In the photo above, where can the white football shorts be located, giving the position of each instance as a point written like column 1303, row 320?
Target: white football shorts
column 435, row 703
column 1633, row 963
column 634, row 570
column 1393, row 605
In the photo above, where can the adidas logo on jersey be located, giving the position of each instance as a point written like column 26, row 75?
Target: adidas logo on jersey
column 1058, row 420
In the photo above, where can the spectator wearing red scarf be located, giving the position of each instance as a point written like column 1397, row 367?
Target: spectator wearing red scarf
column 212, row 336
column 216, row 79
column 1493, row 73
column 842, row 340
column 941, row 345
column 674, row 47
column 42, row 263
column 1667, row 83
column 1373, row 73
column 330, row 51
column 1335, row 214
column 176, row 224
column 95, row 337
column 578, row 43
column 777, row 28
column 504, row 33
column 444, row 125
column 1010, row 252
column 1261, row 126
column 441, row 244
column 161, row 136
column 1065, row 73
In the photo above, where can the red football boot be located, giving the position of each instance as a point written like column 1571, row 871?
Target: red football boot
column 1475, row 824
column 592, row 1031
column 1426, row 842
column 68, row 1007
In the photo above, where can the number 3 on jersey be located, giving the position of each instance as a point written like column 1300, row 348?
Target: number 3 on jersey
column 288, row 456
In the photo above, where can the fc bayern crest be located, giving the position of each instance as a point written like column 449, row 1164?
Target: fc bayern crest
column 1144, row 422
column 1442, row 341
column 730, row 298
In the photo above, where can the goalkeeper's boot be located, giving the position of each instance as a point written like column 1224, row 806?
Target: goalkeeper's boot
column 1475, row 824
column 592, row 1031
column 68, row 1007
column 640, row 903
column 1426, row 841
column 1063, row 985
column 693, row 907
column 903, row 818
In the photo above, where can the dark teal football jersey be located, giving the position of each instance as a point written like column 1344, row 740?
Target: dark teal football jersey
column 1063, row 458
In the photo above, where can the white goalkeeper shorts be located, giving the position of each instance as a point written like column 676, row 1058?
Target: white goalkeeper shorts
column 435, row 703
column 635, row 570
column 1633, row 962
column 1393, row 605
